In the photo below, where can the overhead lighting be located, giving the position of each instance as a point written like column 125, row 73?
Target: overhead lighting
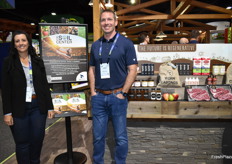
column 91, row 3
column 53, row 13
column 37, row 34
column 32, row 24
column 123, row 33
column 132, row 2
column 229, row 7
column 161, row 34
column 158, row 39
column 108, row 4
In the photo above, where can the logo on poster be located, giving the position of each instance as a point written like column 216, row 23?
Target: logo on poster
column 63, row 39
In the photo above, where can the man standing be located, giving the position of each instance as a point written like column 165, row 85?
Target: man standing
column 113, row 68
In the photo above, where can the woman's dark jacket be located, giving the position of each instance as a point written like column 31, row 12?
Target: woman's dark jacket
column 14, row 86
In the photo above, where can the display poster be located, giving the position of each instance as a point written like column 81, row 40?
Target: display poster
column 64, row 50
column 69, row 102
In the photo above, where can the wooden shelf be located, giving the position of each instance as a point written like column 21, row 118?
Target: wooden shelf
column 180, row 110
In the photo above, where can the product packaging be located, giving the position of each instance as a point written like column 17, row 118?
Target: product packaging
column 197, row 66
column 205, row 66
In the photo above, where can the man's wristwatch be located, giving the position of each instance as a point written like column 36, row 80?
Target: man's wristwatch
column 123, row 93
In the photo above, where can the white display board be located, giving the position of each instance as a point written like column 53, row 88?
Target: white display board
column 221, row 52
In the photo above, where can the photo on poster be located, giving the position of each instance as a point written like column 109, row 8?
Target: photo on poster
column 64, row 50
column 69, row 102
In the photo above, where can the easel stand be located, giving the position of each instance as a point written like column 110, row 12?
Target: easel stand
column 70, row 157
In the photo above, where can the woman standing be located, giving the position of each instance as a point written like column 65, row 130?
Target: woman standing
column 26, row 98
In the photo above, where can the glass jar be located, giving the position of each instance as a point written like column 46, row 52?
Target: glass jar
column 144, row 83
column 153, row 94
column 151, row 83
column 216, row 69
column 158, row 94
column 137, row 83
column 222, row 69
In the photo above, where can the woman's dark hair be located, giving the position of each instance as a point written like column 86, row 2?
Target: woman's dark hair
column 14, row 52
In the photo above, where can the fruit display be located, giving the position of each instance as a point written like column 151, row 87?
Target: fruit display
column 170, row 97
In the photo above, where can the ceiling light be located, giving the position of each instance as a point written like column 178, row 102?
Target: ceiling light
column 91, row 3
column 158, row 39
column 108, row 4
column 53, row 13
column 133, row 1
column 37, row 34
column 161, row 34
column 32, row 24
column 123, row 33
column 229, row 7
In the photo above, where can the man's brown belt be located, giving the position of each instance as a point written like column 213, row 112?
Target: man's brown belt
column 34, row 96
column 109, row 92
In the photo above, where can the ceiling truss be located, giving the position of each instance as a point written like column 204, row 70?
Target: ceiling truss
column 139, row 18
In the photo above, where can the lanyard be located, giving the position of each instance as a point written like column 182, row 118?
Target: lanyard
column 111, row 49
column 30, row 71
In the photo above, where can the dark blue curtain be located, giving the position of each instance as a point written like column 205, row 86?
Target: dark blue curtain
column 4, row 49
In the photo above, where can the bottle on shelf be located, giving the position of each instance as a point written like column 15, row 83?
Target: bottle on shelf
column 153, row 94
column 142, row 91
column 214, row 80
column 146, row 95
column 197, row 81
column 138, row 94
column 186, row 81
column 158, row 94
column 209, row 80
column 131, row 94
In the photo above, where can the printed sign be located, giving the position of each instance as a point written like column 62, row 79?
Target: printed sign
column 167, row 48
column 64, row 51
column 70, row 101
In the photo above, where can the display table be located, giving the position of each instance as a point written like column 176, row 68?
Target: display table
column 70, row 157
column 180, row 110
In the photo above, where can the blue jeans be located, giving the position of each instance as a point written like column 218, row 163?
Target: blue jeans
column 28, row 132
column 105, row 107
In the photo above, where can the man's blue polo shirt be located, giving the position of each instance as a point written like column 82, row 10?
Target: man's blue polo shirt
column 122, row 56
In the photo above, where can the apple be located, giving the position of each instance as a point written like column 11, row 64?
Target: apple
column 171, row 97
column 45, row 33
column 175, row 95
column 166, row 96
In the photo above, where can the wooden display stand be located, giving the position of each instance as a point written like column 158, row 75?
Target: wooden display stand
column 179, row 110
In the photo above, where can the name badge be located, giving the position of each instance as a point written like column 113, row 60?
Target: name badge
column 28, row 94
column 105, row 70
